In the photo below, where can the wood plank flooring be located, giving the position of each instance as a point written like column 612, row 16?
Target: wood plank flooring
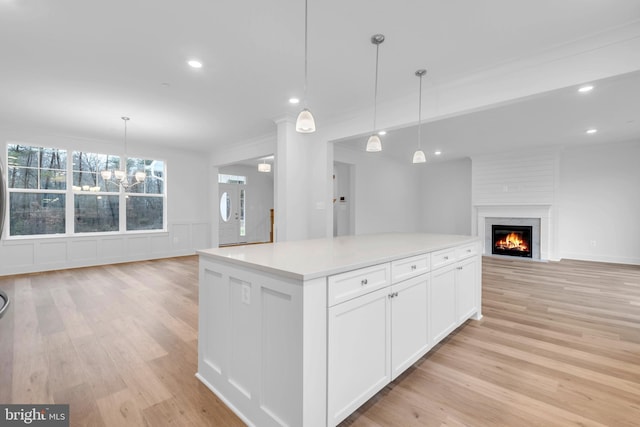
column 559, row 345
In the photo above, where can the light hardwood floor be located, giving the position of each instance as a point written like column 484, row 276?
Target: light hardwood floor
column 559, row 345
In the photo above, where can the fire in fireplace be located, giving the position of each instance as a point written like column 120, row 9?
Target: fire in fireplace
column 513, row 240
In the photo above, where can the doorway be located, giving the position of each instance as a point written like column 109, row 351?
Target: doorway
column 343, row 199
column 245, row 203
column 232, row 224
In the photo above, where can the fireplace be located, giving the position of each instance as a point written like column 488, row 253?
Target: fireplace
column 512, row 240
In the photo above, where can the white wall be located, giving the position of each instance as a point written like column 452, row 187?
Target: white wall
column 387, row 193
column 188, row 215
column 445, row 196
column 599, row 203
column 258, row 200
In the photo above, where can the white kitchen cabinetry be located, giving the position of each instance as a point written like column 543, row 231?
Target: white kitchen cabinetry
column 302, row 333
column 442, row 303
column 454, row 295
column 358, row 352
column 374, row 336
column 466, row 289
column 409, row 323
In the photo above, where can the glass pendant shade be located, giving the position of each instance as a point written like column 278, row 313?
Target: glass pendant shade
column 140, row 176
column 305, row 122
column 419, row 157
column 120, row 175
column 374, row 144
column 106, row 174
column 264, row 167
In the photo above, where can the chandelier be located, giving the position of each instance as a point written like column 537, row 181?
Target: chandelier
column 119, row 177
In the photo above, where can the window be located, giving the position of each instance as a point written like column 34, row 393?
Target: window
column 145, row 199
column 37, row 180
column 39, row 188
column 231, row 179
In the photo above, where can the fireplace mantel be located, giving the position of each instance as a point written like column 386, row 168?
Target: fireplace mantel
column 541, row 212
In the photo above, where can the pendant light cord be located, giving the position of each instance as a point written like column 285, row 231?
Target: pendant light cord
column 305, row 50
column 420, row 115
column 375, row 90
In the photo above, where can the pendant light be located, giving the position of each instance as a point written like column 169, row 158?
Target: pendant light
column 374, row 143
column 418, row 156
column 305, row 122
column 120, row 175
column 264, row 166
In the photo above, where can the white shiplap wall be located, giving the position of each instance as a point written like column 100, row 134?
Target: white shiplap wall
column 522, row 178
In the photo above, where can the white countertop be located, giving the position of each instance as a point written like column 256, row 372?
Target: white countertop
column 310, row 259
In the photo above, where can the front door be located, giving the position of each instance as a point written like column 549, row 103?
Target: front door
column 231, row 214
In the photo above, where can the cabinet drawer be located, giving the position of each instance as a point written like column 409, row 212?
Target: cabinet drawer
column 443, row 257
column 467, row 251
column 406, row 268
column 345, row 286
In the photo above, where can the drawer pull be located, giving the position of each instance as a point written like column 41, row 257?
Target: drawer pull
column 446, row 257
column 364, row 282
column 459, row 268
column 393, row 295
column 413, row 267
column 468, row 250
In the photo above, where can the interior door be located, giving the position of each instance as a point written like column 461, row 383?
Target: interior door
column 229, row 214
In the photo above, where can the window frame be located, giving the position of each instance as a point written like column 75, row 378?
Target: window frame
column 70, row 194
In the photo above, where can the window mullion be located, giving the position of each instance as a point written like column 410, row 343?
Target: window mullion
column 70, row 213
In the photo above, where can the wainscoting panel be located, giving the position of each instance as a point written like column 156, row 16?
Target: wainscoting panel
column 53, row 253
column 83, row 249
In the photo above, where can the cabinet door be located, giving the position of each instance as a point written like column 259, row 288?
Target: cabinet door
column 466, row 289
column 358, row 352
column 409, row 323
column 442, row 303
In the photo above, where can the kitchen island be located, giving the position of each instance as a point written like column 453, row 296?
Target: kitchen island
column 302, row 333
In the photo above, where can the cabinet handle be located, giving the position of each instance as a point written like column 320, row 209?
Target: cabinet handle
column 413, row 267
column 459, row 268
column 446, row 258
column 393, row 294
column 468, row 250
column 364, row 282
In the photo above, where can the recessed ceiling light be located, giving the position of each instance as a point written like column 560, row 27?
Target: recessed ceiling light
column 194, row 63
column 585, row 88
column 592, row 131
column 382, row 132
column 294, row 100
column 437, row 153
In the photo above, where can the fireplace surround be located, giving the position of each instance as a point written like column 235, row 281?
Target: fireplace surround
column 538, row 216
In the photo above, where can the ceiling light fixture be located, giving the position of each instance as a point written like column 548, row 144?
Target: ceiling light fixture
column 305, row 122
column 585, row 88
column 294, row 101
column 119, row 177
column 437, row 153
column 591, row 131
column 418, row 156
column 194, row 63
column 374, row 144
column 264, row 166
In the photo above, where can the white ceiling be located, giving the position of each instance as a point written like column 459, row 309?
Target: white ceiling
column 74, row 67
column 554, row 119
